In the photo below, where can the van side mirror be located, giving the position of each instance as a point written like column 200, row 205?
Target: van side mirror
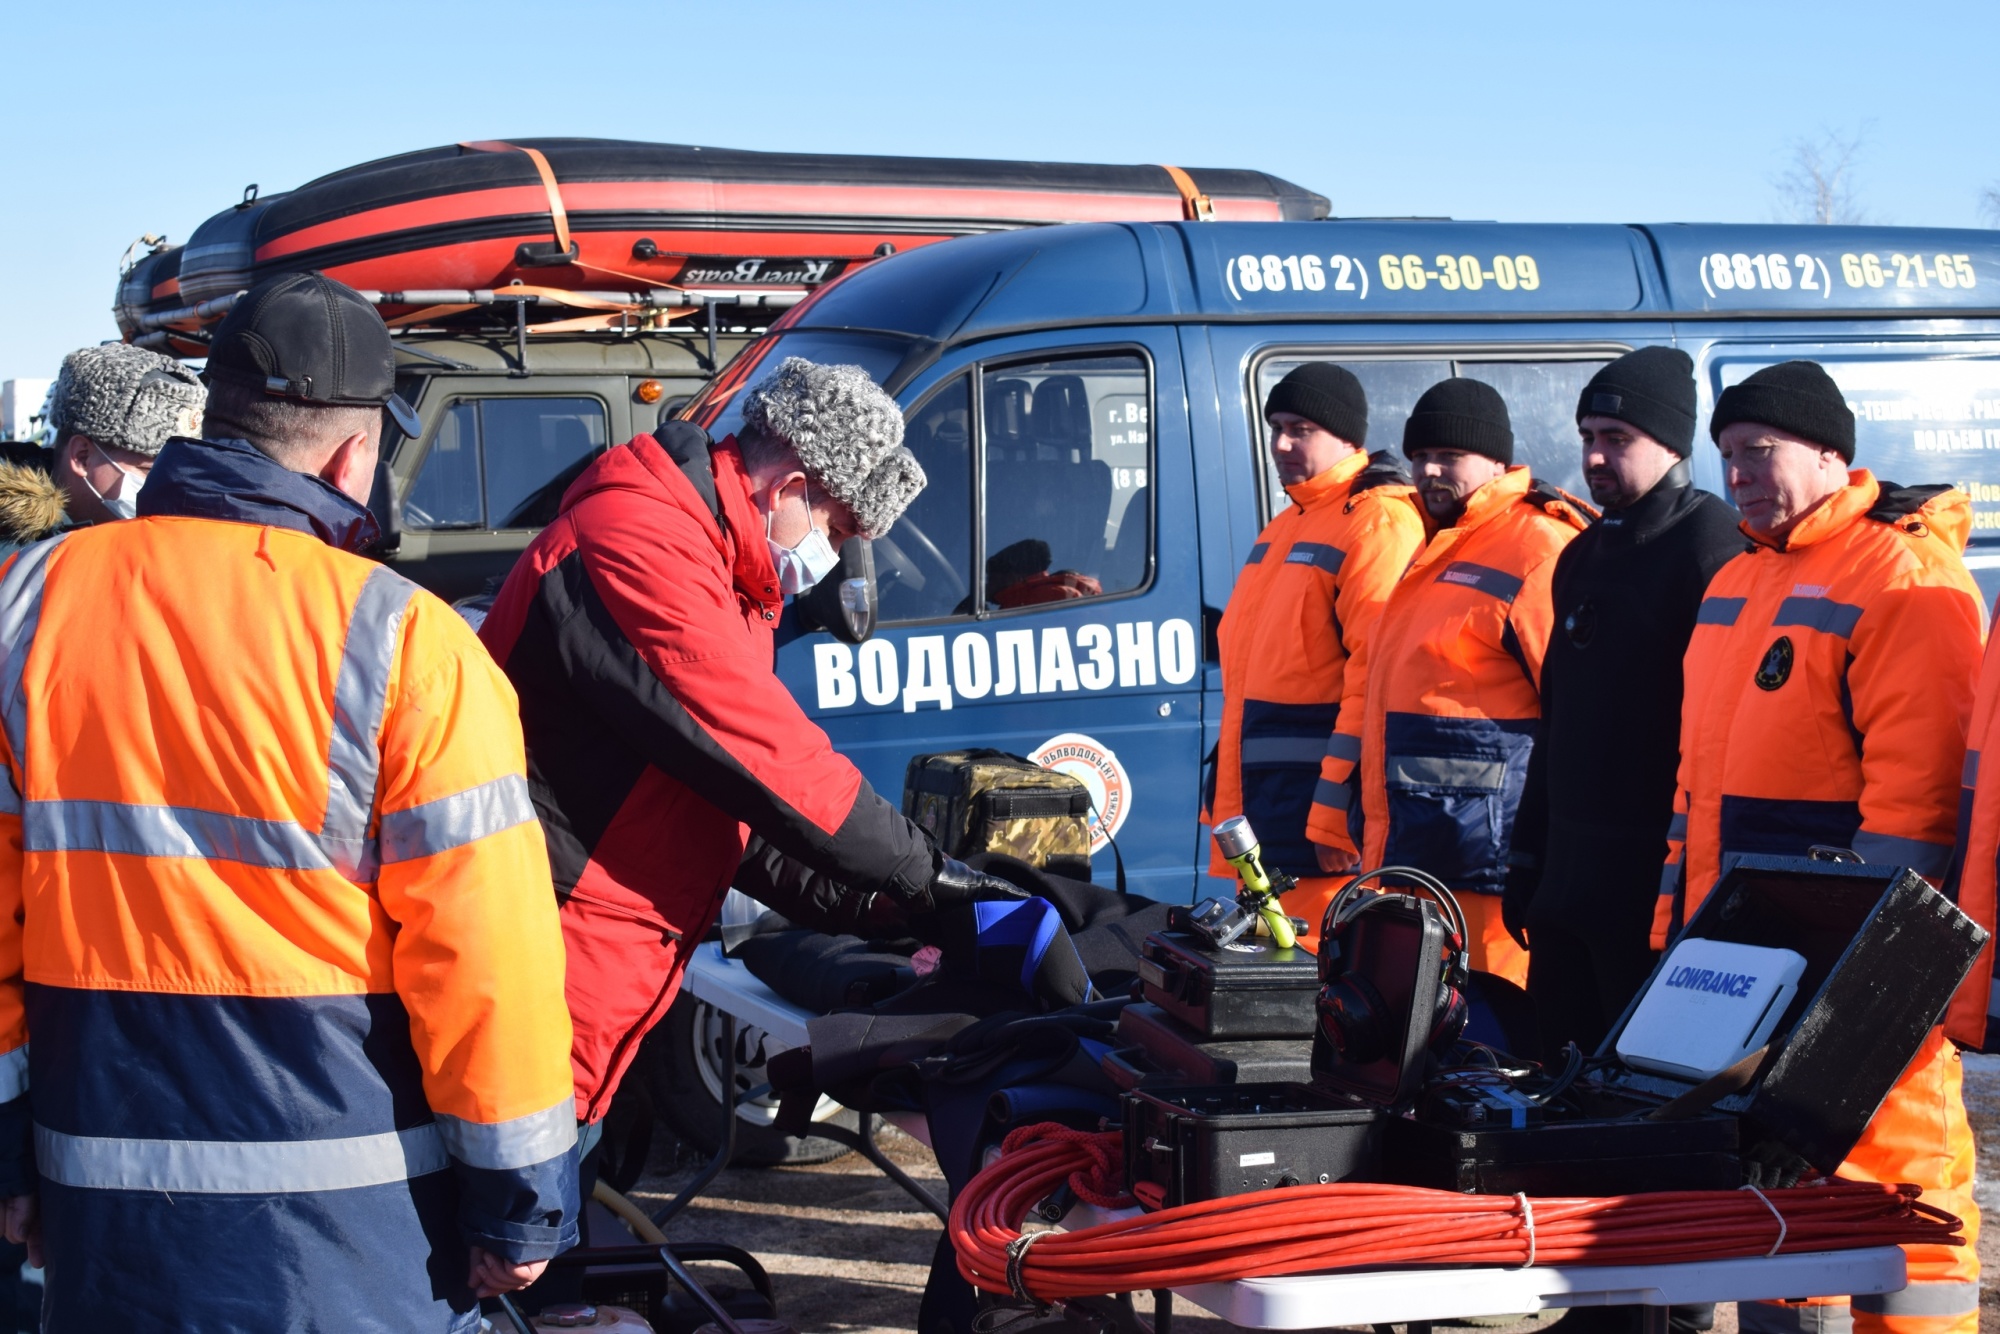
column 845, row 601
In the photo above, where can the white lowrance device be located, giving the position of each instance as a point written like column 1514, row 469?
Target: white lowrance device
column 1708, row 1006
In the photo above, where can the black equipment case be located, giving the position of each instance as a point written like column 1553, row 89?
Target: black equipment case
column 1248, row 988
column 1884, row 953
column 1159, row 1050
column 1185, row 1144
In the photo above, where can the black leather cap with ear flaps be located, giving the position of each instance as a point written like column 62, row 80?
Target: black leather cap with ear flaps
column 305, row 337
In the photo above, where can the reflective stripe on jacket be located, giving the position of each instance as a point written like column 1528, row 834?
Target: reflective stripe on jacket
column 1293, row 679
column 283, row 913
column 1829, row 680
column 1453, row 674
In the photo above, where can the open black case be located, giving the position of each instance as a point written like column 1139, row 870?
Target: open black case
column 1884, row 953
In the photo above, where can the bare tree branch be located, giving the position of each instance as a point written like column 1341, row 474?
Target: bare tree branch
column 1818, row 185
column 1989, row 204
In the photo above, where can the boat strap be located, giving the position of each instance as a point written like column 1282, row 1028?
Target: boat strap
column 1195, row 206
column 558, row 215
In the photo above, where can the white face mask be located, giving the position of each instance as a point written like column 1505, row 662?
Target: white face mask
column 801, row 566
column 125, row 504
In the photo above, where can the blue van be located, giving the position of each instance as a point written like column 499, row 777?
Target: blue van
column 1085, row 399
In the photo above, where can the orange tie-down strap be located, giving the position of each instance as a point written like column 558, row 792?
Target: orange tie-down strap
column 558, row 215
column 1195, row 206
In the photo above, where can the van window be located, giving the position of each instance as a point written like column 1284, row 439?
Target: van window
column 1067, row 446
column 1541, row 403
column 504, row 462
column 1919, row 422
column 923, row 565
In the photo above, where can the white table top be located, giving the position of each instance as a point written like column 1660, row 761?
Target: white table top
column 729, row 987
column 1394, row 1296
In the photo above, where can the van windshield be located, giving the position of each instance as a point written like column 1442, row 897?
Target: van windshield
column 720, row 407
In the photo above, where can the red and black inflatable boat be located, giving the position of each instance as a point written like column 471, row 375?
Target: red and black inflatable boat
column 598, row 214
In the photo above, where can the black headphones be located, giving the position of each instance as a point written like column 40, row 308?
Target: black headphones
column 1353, row 1016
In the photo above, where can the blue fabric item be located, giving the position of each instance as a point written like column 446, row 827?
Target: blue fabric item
column 236, row 1069
column 17, row 1151
column 1785, row 828
column 1454, row 785
column 222, row 1067
column 387, row 1257
column 1280, row 749
column 235, row 481
column 1027, row 925
column 493, row 1201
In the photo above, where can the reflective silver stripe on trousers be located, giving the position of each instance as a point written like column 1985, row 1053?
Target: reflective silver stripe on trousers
column 14, row 1073
column 1341, row 746
column 1926, row 859
column 1969, row 775
column 20, row 612
column 169, row 831
column 224, row 1167
column 360, row 695
column 1282, row 750
column 1921, row 1299
column 454, row 821
column 522, row 1142
column 1678, row 826
column 1670, row 879
column 1445, row 771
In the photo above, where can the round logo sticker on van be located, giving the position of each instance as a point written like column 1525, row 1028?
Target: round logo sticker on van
column 1091, row 762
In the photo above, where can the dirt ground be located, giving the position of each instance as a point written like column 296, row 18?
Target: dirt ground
column 849, row 1251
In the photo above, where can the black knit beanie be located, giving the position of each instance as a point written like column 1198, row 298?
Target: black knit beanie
column 1651, row 389
column 1797, row 397
column 1461, row 414
column 1327, row 394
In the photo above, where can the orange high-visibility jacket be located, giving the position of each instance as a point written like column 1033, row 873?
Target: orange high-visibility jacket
column 276, row 912
column 1976, row 868
column 1293, row 680
column 1454, row 673
column 1829, row 680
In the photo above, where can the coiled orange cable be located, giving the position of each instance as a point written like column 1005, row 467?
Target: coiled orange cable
column 1309, row 1228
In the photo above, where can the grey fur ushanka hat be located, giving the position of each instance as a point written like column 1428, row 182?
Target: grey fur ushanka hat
column 126, row 397
column 847, row 433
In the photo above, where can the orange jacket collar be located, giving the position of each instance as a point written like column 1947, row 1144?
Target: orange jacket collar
column 1488, row 501
column 1329, row 485
column 1828, row 517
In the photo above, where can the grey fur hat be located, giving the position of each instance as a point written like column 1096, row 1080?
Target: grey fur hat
column 847, row 433
column 126, row 397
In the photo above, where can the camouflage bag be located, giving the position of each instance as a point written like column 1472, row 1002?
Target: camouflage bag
column 989, row 801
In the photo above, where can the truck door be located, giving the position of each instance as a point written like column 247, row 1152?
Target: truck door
column 1041, row 595
column 490, row 470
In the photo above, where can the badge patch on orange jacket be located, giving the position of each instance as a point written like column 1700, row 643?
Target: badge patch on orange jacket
column 1776, row 668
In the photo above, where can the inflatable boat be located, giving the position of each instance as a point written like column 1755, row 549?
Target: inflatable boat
column 600, row 215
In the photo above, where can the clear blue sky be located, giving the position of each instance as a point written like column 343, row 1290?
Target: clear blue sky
column 127, row 118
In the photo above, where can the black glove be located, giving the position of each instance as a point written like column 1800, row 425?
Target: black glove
column 954, row 883
column 1517, row 898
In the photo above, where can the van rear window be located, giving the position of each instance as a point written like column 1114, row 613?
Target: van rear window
column 1920, row 421
column 1541, row 396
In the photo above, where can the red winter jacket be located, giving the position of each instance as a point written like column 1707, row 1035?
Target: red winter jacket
column 665, row 759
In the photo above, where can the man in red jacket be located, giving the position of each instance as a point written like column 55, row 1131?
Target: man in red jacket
column 665, row 758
